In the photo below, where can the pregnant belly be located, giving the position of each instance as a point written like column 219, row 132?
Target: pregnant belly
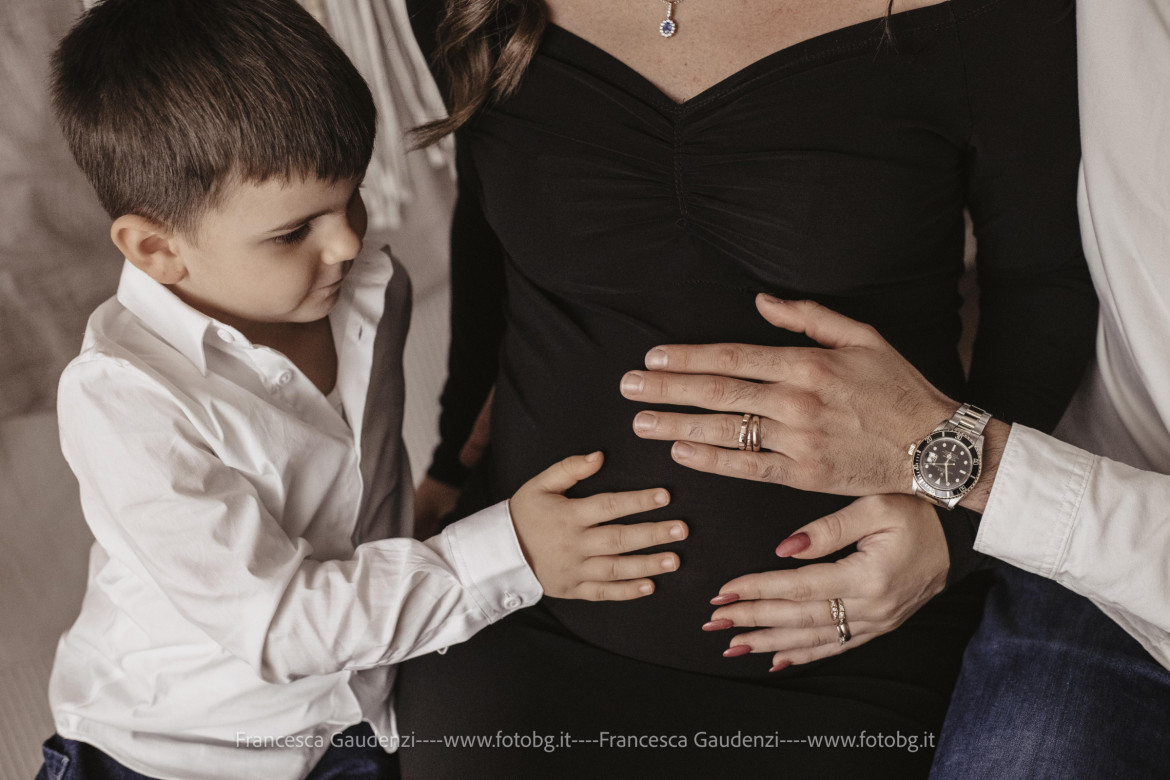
column 735, row 524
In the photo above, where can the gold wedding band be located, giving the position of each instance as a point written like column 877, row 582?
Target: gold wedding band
column 749, row 432
column 837, row 610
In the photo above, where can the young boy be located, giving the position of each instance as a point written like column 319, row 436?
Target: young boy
column 234, row 422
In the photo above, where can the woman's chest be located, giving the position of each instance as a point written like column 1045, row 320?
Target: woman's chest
column 705, row 41
column 823, row 172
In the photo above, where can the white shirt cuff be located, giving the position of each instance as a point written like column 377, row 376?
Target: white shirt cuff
column 1033, row 505
column 488, row 559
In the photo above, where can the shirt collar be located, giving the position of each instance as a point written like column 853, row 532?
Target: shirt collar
column 185, row 328
column 163, row 312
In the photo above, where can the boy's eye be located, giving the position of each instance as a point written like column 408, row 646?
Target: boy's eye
column 295, row 236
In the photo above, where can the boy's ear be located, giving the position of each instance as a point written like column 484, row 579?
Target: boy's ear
column 150, row 246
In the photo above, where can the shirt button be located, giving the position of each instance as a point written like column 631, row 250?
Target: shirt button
column 511, row 601
column 284, row 378
column 225, row 335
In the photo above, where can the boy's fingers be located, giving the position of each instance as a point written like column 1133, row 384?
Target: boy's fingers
column 615, row 568
column 627, row 590
column 610, row 506
column 562, row 475
column 616, row 539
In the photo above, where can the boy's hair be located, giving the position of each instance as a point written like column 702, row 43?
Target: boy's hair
column 164, row 102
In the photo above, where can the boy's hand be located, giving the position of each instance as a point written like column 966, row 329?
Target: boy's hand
column 574, row 558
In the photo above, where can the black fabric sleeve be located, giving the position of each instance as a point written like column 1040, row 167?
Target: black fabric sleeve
column 1037, row 307
column 477, row 287
column 477, row 322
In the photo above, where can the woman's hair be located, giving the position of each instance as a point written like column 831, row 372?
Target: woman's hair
column 485, row 46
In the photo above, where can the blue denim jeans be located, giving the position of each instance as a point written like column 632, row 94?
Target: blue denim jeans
column 67, row 759
column 1052, row 688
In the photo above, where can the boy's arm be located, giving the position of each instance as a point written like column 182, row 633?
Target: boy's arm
column 162, row 503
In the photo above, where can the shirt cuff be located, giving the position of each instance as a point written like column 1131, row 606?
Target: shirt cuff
column 489, row 560
column 1034, row 502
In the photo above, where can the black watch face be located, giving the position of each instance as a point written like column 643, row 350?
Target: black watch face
column 946, row 464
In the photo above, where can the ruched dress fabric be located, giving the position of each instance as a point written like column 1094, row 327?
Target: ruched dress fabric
column 597, row 218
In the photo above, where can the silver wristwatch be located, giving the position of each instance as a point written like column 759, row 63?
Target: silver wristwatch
column 948, row 461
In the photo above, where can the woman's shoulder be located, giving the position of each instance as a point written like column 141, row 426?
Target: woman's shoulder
column 1013, row 12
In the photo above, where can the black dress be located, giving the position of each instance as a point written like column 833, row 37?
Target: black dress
column 597, row 219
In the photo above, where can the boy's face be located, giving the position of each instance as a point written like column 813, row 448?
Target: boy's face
column 273, row 252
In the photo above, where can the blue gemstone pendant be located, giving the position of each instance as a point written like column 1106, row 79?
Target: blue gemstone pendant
column 669, row 26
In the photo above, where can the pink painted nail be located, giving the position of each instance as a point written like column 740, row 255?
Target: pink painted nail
column 726, row 598
column 738, row 650
column 718, row 625
column 781, row 666
column 797, row 543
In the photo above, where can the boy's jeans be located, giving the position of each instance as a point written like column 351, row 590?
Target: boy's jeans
column 67, row 759
column 1052, row 688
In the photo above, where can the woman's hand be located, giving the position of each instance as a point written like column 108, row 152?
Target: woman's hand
column 433, row 500
column 834, row 420
column 901, row 563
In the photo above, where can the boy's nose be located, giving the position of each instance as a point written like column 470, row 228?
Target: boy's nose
column 345, row 245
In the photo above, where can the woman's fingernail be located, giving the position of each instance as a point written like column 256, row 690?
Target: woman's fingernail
column 632, row 382
column 717, row 625
column 644, row 421
column 781, row 666
column 656, row 358
column 771, row 298
column 682, row 450
column 726, row 598
column 678, row 531
column 797, row 543
column 738, row 650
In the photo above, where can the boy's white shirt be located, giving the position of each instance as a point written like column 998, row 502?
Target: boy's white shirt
column 250, row 580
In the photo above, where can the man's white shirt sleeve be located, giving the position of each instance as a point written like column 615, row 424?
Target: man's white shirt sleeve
column 1097, row 526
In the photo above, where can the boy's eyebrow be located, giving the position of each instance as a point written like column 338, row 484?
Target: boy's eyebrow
column 298, row 222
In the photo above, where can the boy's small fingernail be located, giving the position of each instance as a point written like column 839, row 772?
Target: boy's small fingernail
column 646, row 587
column 781, row 666
column 632, row 383
column 771, row 298
column 717, row 625
column 668, row 564
column 677, row 531
column 793, row 545
column 662, row 498
column 738, row 650
column 656, row 358
column 726, row 598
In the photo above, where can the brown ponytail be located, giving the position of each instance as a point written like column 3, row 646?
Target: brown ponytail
column 485, row 47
